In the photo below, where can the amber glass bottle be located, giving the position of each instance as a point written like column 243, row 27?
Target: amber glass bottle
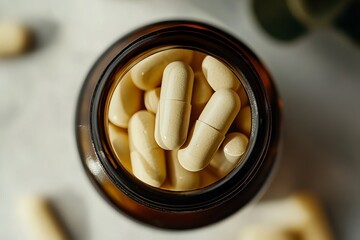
column 164, row 208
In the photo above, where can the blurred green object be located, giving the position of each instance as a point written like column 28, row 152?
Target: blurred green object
column 286, row 20
column 275, row 18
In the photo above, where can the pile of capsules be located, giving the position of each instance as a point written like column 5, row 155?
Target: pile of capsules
column 179, row 120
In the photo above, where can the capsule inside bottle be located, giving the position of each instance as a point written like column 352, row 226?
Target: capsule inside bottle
column 173, row 88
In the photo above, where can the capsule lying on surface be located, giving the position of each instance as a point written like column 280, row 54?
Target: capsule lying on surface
column 147, row 73
column 174, row 109
column 209, row 130
column 147, row 158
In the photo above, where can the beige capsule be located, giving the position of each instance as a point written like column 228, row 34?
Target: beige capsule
column 229, row 154
column 15, row 38
column 243, row 120
column 209, row 130
column 218, row 75
column 174, row 109
column 39, row 220
column 146, row 75
column 201, row 94
column 120, row 143
column 151, row 99
column 180, row 178
column 125, row 101
column 269, row 233
column 207, row 177
column 147, row 158
column 307, row 220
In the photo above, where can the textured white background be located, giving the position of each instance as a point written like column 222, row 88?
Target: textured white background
column 318, row 77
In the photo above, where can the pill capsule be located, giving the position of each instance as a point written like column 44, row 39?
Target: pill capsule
column 201, row 95
column 15, row 38
column 209, row 130
column 39, row 220
column 218, row 75
column 258, row 232
column 120, row 142
column 180, row 178
column 151, row 100
column 229, row 154
column 147, row 73
column 207, row 177
column 147, row 158
column 125, row 101
column 243, row 120
column 174, row 110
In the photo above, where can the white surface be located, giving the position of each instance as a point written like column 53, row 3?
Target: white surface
column 318, row 78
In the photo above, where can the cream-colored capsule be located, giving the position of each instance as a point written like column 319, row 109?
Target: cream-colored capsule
column 218, row 75
column 147, row 73
column 15, row 38
column 125, row 101
column 207, row 177
column 229, row 154
column 209, row 130
column 175, row 106
column 120, row 142
column 243, row 120
column 151, row 99
column 147, row 158
column 180, row 178
column 39, row 220
column 201, row 95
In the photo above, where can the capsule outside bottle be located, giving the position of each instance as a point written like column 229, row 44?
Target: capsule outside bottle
column 147, row 158
column 147, row 73
column 174, row 110
column 209, row 130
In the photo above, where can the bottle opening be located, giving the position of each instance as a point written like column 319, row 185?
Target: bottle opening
column 179, row 120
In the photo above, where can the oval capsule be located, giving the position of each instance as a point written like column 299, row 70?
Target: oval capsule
column 147, row 158
column 151, row 99
column 174, row 110
column 147, row 73
column 229, row 154
column 180, row 178
column 120, row 142
column 209, row 130
column 201, row 94
column 243, row 120
column 218, row 75
column 125, row 101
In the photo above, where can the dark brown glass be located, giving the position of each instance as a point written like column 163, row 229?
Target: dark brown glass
column 159, row 207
